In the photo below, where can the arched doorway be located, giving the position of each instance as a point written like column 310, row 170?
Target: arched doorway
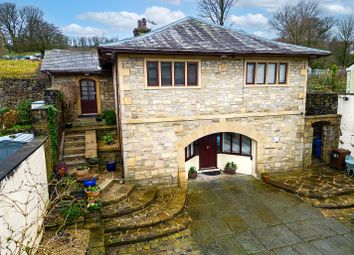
column 318, row 141
column 214, row 151
column 258, row 141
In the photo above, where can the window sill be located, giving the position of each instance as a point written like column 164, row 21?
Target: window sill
column 172, row 87
column 265, row 85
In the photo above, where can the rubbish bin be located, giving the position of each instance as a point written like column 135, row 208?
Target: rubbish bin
column 338, row 158
column 317, row 147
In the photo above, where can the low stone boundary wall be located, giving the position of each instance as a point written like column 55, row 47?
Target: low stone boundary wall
column 321, row 103
column 12, row 91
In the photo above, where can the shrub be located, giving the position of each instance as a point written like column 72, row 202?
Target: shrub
column 110, row 117
column 24, row 111
column 108, row 139
column 10, row 118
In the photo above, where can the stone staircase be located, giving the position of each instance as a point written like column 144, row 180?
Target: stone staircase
column 74, row 148
column 131, row 215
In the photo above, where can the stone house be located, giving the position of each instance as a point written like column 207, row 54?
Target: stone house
column 194, row 94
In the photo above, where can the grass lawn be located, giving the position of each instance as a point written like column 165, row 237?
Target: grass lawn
column 19, row 69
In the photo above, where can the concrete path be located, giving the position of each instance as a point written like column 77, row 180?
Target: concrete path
column 241, row 215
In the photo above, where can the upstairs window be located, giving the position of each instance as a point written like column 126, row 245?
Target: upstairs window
column 153, row 73
column 283, row 71
column 166, row 74
column 172, row 73
column 180, row 79
column 266, row 73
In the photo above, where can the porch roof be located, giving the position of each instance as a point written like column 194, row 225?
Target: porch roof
column 70, row 61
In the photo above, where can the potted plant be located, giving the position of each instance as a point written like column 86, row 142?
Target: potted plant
column 61, row 169
column 81, row 172
column 230, row 168
column 93, row 161
column 99, row 118
column 108, row 139
column 89, row 180
column 94, row 206
column 92, row 191
column 192, row 173
column 265, row 177
column 111, row 165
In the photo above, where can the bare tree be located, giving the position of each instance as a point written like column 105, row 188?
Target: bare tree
column 302, row 24
column 346, row 35
column 11, row 25
column 24, row 29
column 216, row 11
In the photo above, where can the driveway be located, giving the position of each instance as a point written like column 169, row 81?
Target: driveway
column 241, row 215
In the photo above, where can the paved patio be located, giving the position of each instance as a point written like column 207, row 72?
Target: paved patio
column 241, row 215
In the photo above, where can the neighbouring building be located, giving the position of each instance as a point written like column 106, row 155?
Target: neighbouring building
column 194, row 94
column 346, row 109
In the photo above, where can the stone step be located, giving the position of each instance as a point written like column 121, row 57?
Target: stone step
column 177, row 224
column 68, row 144
column 89, row 122
column 86, row 128
column 169, row 202
column 74, row 156
column 138, row 200
column 74, row 137
column 74, row 150
column 115, row 193
column 338, row 202
column 72, row 163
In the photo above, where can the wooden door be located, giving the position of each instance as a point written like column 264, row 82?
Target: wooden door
column 208, row 152
column 88, row 97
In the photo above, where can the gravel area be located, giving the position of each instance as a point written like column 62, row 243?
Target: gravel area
column 71, row 241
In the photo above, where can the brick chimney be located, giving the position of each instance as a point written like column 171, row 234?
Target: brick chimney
column 142, row 28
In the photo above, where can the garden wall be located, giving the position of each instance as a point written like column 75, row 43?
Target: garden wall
column 23, row 198
column 321, row 103
column 12, row 91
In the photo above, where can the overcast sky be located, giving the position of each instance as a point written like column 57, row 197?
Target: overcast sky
column 117, row 18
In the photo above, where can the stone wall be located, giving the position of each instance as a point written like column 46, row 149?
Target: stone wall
column 157, row 124
column 70, row 85
column 12, row 91
column 330, row 139
column 321, row 103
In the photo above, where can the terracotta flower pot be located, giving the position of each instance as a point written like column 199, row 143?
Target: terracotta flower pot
column 266, row 178
column 92, row 194
column 230, row 170
column 81, row 173
column 192, row 175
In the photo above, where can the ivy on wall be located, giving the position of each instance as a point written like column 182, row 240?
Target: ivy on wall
column 53, row 131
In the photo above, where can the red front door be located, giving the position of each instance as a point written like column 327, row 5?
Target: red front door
column 208, row 152
column 88, row 97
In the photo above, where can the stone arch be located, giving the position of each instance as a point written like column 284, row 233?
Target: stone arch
column 205, row 130
column 331, row 132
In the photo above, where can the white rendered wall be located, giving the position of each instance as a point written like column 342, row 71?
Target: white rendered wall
column 244, row 164
column 346, row 109
column 23, row 200
column 192, row 162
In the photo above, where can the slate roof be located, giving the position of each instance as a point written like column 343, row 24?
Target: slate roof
column 192, row 36
column 62, row 61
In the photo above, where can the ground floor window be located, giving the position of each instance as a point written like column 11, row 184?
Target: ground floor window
column 232, row 143
column 226, row 143
column 191, row 150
